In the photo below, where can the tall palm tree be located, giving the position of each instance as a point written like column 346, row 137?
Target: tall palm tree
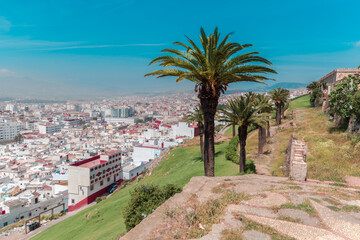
column 212, row 66
column 279, row 96
column 244, row 111
column 198, row 117
column 265, row 107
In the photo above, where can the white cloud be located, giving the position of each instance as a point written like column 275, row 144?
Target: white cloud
column 357, row 44
column 4, row 70
column 105, row 46
column 5, row 25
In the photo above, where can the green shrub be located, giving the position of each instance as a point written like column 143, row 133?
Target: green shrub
column 98, row 199
column 231, row 154
column 144, row 200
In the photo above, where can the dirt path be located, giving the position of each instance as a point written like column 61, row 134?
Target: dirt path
column 263, row 161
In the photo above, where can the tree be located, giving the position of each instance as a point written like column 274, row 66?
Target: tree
column 212, row 66
column 340, row 100
column 313, row 85
column 279, row 96
column 315, row 97
column 265, row 106
column 316, row 88
column 18, row 138
column 198, row 117
column 245, row 112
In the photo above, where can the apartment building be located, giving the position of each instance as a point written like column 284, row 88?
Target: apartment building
column 90, row 178
column 49, row 128
column 9, row 129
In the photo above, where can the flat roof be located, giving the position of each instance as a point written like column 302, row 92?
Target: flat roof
column 93, row 163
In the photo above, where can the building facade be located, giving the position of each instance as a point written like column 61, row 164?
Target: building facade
column 336, row 76
column 9, row 129
column 49, row 128
column 90, row 178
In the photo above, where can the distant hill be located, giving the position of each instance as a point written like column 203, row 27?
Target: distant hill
column 266, row 88
column 287, row 85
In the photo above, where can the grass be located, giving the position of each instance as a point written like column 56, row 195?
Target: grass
column 236, row 234
column 299, row 103
column 331, row 155
column 107, row 222
column 251, row 225
column 305, row 206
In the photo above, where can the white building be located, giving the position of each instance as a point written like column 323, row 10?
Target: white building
column 49, row 128
column 145, row 153
column 11, row 107
column 120, row 120
column 30, row 205
column 183, row 129
column 9, row 129
column 90, row 178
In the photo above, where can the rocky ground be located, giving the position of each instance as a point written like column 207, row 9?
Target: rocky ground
column 254, row 207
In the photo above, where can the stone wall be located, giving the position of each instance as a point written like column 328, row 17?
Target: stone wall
column 296, row 160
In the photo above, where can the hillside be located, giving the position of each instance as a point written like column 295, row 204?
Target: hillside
column 105, row 220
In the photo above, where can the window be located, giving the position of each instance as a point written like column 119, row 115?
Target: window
column 108, row 179
column 72, row 200
column 29, row 214
column 101, row 183
column 103, row 171
column 91, row 187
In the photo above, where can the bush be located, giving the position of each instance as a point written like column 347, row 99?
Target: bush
column 98, row 199
column 144, row 200
column 231, row 154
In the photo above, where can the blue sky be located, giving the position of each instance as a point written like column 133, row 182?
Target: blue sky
column 87, row 48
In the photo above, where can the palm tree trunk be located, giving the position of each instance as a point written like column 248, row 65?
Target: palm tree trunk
column 278, row 114
column 260, row 141
column 208, row 106
column 242, row 140
column 268, row 129
column 282, row 110
column 201, row 135
column 234, row 131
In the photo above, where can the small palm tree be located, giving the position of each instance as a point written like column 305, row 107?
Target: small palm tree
column 265, row 107
column 279, row 96
column 197, row 117
column 212, row 66
column 244, row 112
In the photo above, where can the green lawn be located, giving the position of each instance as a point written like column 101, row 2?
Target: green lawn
column 105, row 220
column 300, row 102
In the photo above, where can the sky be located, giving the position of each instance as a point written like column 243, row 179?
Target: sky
column 84, row 49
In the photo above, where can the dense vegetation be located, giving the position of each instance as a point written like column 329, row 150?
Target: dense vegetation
column 144, row 200
column 232, row 154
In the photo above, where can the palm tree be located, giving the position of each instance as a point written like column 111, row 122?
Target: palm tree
column 244, row 111
column 279, row 96
column 18, row 138
column 198, row 117
column 265, row 107
column 212, row 66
